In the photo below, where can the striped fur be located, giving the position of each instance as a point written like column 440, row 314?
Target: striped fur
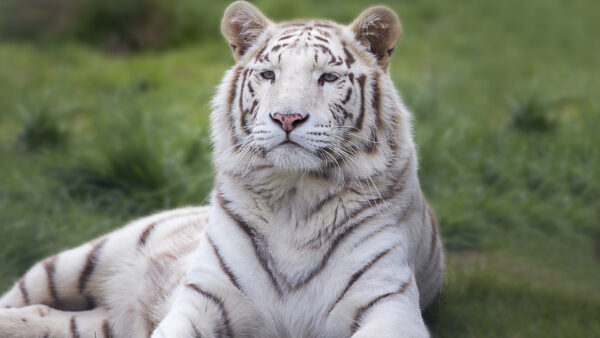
column 322, row 231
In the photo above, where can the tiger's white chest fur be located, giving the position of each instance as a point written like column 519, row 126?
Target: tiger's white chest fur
column 317, row 225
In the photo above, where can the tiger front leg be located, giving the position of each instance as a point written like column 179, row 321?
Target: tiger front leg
column 390, row 315
column 206, row 312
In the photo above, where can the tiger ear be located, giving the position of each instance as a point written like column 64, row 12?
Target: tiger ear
column 378, row 28
column 241, row 26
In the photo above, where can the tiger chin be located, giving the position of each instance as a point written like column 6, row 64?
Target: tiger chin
column 317, row 225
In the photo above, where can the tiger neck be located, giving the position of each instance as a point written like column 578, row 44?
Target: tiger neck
column 309, row 203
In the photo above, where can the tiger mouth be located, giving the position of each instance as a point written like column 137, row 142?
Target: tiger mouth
column 291, row 143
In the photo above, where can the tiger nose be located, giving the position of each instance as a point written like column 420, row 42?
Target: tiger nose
column 288, row 122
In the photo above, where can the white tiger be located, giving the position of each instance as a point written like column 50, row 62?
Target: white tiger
column 317, row 225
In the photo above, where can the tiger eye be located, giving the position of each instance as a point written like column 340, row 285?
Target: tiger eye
column 329, row 77
column 268, row 75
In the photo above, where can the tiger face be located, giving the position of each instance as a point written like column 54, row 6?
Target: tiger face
column 306, row 95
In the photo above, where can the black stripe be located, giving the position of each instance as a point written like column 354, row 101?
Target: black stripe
column 361, row 82
column 285, row 37
column 348, row 95
column 90, row 264
column 349, row 58
column 259, row 54
column 241, row 98
column 50, row 267
column 357, row 275
column 322, row 39
column 232, row 92
column 150, row 228
column 223, row 265
column 251, row 233
column 392, row 189
column 73, row 328
column 24, row 292
column 361, row 311
column 376, row 99
column 317, row 208
column 145, row 234
column 106, row 329
column 226, row 331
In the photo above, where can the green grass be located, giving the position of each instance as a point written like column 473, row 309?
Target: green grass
column 506, row 110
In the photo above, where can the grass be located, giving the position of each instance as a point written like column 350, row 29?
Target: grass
column 504, row 96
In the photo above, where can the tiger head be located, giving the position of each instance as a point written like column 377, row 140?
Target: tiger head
column 307, row 96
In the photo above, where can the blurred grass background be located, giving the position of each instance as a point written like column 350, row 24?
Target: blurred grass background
column 104, row 110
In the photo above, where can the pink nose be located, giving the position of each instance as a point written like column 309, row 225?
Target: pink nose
column 288, row 122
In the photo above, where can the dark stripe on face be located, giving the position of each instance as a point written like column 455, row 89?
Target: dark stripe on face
column 73, row 328
column 376, row 100
column 244, row 115
column 349, row 58
column 361, row 115
column 250, row 88
column 50, row 267
column 324, row 48
column 260, row 52
column 106, row 330
column 357, row 275
column 24, row 292
column 242, row 86
column 361, row 310
column 90, row 264
column 348, row 95
column 251, row 233
column 285, row 37
column 372, row 141
column 232, row 92
column 223, row 265
column 226, row 330
column 324, row 33
column 322, row 39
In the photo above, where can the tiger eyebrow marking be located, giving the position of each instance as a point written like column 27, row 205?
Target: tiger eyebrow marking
column 260, row 52
column 285, row 37
column 322, row 39
column 323, row 32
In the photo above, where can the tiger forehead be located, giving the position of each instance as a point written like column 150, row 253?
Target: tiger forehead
column 321, row 37
column 297, row 32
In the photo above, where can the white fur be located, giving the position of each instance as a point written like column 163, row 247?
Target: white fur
column 318, row 246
